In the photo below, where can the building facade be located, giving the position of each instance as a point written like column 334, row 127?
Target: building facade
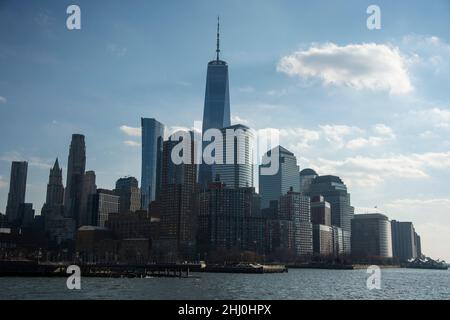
column 236, row 161
column 371, row 236
column 152, row 144
column 127, row 189
column 271, row 187
column 229, row 222
column 334, row 191
column 76, row 167
column 403, row 240
column 17, row 188
column 216, row 112
column 100, row 206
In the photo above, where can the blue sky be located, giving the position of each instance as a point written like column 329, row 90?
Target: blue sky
column 372, row 106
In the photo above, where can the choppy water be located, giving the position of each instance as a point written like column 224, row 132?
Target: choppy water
column 297, row 284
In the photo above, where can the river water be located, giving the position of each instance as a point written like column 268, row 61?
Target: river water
column 296, row 284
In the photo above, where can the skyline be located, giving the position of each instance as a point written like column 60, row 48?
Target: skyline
column 401, row 143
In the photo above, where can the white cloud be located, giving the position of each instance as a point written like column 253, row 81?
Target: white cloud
column 32, row 160
column 336, row 134
column 360, row 66
column 131, row 143
column 369, row 171
column 235, row 119
column 131, row 131
column 116, row 50
column 2, row 100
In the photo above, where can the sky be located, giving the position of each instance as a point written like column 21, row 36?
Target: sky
column 372, row 106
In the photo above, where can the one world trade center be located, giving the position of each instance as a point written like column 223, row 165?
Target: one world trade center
column 216, row 113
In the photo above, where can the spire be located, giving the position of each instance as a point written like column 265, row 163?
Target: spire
column 56, row 166
column 218, row 38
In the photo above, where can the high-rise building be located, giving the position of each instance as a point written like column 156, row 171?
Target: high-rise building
column 127, row 189
column 178, row 190
column 100, row 205
column 335, row 192
column 322, row 240
column 17, row 188
column 216, row 112
column 88, row 188
column 306, row 178
column 26, row 214
column 295, row 207
column 371, row 236
column 236, row 169
column 320, row 211
column 403, row 240
column 418, row 244
column 55, row 188
column 271, row 187
column 229, row 222
column 76, row 167
column 152, row 144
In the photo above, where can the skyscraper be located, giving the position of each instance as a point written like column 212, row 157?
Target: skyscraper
column 403, row 240
column 76, row 166
column 216, row 112
column 295, row 207
column 152, row 144
column 89, row 187
column 306, row 178
column 100, row 205
column 130, row 197
column 53, row 205
column 335, row 192
column 237, row 146
column 271, row 187
column 229, row 222
column 178, row 187
column 17, row 188
column 55, row 188
column 371, row 236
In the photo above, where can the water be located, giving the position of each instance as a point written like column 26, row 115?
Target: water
column 297, row 284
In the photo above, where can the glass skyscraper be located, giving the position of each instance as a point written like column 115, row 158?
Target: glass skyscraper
column 152, row 144
column 237, row 145
column 271, row 187
column 335, row 192
column 216, row 112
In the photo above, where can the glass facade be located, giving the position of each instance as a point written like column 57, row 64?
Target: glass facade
column 237, row 145
column 271, row 187
column 216, row 113
column 335, row 192
column 152, row 144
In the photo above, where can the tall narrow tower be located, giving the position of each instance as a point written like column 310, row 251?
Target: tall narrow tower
column 216, row 112
column 76, row 167
column 55, row 188
column 17, row 187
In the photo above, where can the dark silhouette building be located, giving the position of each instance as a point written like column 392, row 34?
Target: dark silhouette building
column 16, row 195
column 76, row 166
column 403, row 240
column 229, row 222
column 178, row 190
column 334, row 191
column 130, row 198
